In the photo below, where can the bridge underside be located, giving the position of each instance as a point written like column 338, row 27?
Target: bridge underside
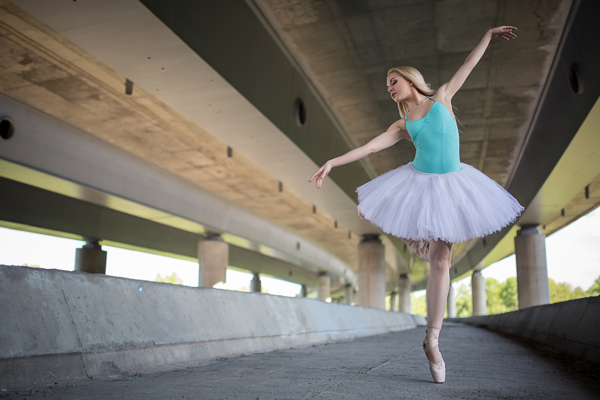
column 229, row 128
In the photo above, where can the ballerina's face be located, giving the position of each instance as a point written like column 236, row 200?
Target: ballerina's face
column 398, row 87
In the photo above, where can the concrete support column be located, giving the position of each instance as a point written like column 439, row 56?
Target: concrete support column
column 255, row 284
column 213, row 257
column 324, row 286
column 532, row 272
column 371, row 272
column 393, row 301
column 91, row 258
column 478, row 293
column 303, row 291
column 404, row 289
column 348, row 294
column 451, row 303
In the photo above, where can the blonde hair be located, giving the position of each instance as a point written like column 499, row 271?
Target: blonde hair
column 414, row 76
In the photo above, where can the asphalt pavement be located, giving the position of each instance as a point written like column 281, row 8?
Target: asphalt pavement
column 480, row 365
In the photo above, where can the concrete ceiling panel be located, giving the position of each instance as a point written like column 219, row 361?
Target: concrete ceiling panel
column 449, row 63
column 367, row 44
column 501, row 149
column 545, row 19
column 460, row 24
column 471, row 129
column 522, row 67
column 470, row 150
column 469, row 103
column 368, row 117
column 381, row 4
column 350, row 84
column 294, row 13
column 504, row 127
column 403, row 31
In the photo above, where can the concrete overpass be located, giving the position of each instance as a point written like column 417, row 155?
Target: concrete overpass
column 190, row 129
column 229, row 112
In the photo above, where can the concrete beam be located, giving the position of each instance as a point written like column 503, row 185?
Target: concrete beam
column 76, row 164
column 76, row 219
column 200, row 81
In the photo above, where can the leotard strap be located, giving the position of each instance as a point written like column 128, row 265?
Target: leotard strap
column 409, row 110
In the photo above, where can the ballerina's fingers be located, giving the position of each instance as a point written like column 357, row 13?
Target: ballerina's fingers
column 505, row 35
column 320, row 180
column 508, row 31
column 318, row 173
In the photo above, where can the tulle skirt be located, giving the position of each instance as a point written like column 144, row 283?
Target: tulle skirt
column 453, row 207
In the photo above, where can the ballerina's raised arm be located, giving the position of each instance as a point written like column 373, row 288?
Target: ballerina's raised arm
column 449, row 89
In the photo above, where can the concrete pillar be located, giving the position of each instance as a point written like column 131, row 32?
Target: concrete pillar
column 404, row 289
column 91, row 258
column 532, row 272
column 303, row 291
column 213, row 257
column 348, row 294
column 451, row 303
column 255, row 284
column 478, row 293
column 393, row 301
column 324, row 286
column 371, row 272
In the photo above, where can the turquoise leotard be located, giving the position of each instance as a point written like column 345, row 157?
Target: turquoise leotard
column 435, row 137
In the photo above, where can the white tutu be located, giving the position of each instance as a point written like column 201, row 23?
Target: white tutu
column 453, row 207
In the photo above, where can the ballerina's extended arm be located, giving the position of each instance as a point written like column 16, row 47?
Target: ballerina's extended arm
column 449, row 89
column 388, row 138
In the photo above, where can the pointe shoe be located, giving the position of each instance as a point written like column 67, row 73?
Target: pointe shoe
column 438, row 371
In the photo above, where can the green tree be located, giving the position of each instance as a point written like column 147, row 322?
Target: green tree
column 494, row 303
column 509, row 294
column 464, row 304
column 594, row 290
column 501, row 297
column 418, row 305
column 563, row 292
column 174, row 279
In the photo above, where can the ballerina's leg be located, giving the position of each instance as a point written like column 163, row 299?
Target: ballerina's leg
column 438, row 284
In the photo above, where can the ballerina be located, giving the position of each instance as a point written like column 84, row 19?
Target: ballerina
column 435, row 200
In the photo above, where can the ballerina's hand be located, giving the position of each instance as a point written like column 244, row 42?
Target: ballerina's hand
column 321, row 174
column 503, row 32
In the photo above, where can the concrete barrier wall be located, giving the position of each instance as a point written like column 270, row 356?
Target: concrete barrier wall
column 572, row 327
column 57, row 325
